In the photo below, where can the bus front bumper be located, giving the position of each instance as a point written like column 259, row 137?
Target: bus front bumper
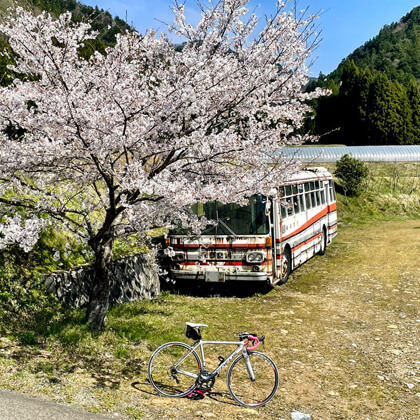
column 221, row 276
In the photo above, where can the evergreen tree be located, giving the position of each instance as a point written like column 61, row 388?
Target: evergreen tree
column 352, row 90
column 413, row 96
column 388, row 114
column 368, row 109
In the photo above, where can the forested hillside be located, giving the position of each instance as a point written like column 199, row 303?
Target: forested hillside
column 102, row 20
column 375, row 92
column 395, row 51
column 367, row 108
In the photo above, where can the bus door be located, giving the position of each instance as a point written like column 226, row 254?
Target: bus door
column 279, row 213
column 271, row 241
column 327, row 200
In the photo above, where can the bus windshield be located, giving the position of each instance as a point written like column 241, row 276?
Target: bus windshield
column 234, row 219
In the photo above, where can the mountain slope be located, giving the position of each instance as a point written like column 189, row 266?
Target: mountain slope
column 375, row 97
column 395, row 51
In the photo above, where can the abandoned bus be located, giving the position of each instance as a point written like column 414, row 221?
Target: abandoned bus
column 264, row 240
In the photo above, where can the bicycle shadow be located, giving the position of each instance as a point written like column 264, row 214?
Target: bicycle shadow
column 139, row 386
column 220, row 397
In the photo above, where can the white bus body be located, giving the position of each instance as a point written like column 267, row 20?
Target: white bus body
column 263, row 241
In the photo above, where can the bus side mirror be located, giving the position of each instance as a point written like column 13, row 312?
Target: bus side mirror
column 267, row 207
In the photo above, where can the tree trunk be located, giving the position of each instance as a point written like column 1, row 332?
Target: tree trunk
column 101, row 287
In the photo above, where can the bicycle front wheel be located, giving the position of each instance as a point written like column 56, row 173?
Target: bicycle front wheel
column 253, row 384
column 173, row 369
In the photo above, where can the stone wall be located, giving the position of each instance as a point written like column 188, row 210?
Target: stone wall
column 133, row 278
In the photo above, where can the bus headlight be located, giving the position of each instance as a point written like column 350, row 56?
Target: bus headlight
column 256, row 257
column 179, row 256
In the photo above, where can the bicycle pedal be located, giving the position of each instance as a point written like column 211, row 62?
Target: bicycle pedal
column 197, row 394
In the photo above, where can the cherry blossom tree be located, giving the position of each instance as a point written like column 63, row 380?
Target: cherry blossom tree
column 119, row 143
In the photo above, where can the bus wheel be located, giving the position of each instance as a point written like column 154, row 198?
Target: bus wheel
column 323, row 243
column 286, row 266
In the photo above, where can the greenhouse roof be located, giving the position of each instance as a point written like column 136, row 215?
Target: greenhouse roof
column 365, row 153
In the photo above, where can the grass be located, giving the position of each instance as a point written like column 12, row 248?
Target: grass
column 342, row 330
column 391, row 192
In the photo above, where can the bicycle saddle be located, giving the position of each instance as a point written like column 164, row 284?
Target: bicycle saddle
column 194, row 325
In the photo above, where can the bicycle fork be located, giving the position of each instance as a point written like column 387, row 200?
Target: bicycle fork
column 248, row 365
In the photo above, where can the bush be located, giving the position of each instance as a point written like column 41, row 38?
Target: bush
column 351, row 172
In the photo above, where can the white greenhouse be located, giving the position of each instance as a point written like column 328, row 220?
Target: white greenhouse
column 319, row 154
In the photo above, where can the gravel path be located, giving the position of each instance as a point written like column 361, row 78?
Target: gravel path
column 15, row 406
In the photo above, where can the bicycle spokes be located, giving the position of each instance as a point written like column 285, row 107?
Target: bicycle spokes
column 173, row 369
column 253, row 382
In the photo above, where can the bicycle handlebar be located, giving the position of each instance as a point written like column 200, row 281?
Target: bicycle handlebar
column 255, row 341
column 248, row 337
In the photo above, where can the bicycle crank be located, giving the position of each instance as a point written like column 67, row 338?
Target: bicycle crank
column 206, row 380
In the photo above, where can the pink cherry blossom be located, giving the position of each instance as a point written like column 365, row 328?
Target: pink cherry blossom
column 123, row 142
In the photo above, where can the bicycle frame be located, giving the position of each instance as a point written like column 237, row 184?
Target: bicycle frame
column 180, row 371
column 241, row 348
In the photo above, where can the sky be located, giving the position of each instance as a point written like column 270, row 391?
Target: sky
column 344, row 24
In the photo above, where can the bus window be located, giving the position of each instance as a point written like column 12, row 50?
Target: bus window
column 289, row 207
column 318, row 199
column 302, row 202
column 313, row 199
column 306, row 186
column 288, row 190
column 296, row 204
column 308, row 201
column 295, row 189
column 312, row 186
column 332, row 190
column 233, row 218
column 283, row 211
column 281, row 192
column 322, row 197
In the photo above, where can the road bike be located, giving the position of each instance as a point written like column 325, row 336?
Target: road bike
column 176, row 369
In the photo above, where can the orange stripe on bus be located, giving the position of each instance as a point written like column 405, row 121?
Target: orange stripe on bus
column 306, row 242
column 311, row 221
column 302, row 244
column 332, row 207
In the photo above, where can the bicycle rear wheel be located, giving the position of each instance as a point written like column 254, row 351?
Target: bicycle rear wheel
column 253, row 392
column 173, row 369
